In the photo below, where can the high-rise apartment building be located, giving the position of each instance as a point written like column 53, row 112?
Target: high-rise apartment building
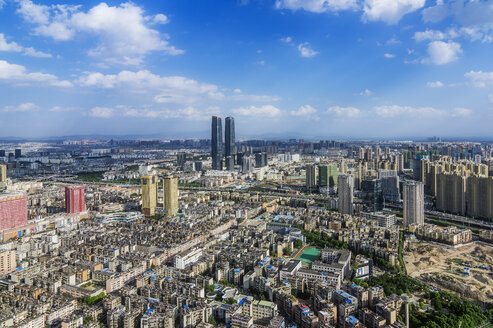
column 246, row 165
column 479, row 197
column 3, row 173
column 261, row 159
column 75, row 199
column 7, row 262
column 217, row 143
column 327, row 176
column 345, row 189
column 18, row 153
column 149, row 194
column 229, row 140
column 13, row 210
column 414, row 203
column 311, row 176
column 170, row 195
column 451, row 193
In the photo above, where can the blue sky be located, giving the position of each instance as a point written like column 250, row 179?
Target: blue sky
column 295, row 68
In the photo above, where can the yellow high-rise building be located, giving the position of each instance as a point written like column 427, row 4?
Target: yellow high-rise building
column 3, row 173
column 170, row 195
column 149, row 194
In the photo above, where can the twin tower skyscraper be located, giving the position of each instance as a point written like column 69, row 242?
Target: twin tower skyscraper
column 220, row 150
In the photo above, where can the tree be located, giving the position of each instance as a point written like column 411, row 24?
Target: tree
column 212, row 320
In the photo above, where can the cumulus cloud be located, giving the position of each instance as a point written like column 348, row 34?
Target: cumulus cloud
column 480, row 78
column 306, row 51
column 19, row 75
column 387, row 55
column 317, row 6
column 389, row 11
column 159, row 19
column 102, row 112
column 366, row 93
column 441, row 53
column 350, row 112
column 124, row 36
column 60, row 109
column 26, row 107
column 306, row 111
column 258, row 111
column 436, row 84
column 14, row 47
column 169, row 89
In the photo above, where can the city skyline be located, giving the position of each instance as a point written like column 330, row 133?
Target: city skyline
column 307, row 69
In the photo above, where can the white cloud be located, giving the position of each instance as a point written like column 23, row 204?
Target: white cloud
column 306, row 111
column 317, row 6
column 387, row 55
column 102, row 112
column 2, row 3
column 480, row 78
column 475, row 17
column 491, row 97
column 12, row 46
column 160, row 19
column 122, row 31
column 239, row 96
column 436, row 84
column 170, row 89
column 390, row 11
column 60, row 109
column 390, row 111
column 26, row 107
column 462, row 112
column 396, row 110
column 19, row 75
column 287, row 40
column 6, row 46
column 188, row 113
column 366, row 93
column 35, row 53
column 258, row 111
column 431, row 35
column 441, row 53
column 350, row 112
column 306, row 51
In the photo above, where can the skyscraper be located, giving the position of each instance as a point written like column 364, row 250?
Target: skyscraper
column 18, row 153
column 345, row 188
column 217, row 143
column 3, row 173
column 75, row 199
column 149, row 194
column 229, row 141
column 170, row 195
column 414, row 203
column 327, row 176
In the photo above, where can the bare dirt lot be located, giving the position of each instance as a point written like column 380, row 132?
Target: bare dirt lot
column 443, row 267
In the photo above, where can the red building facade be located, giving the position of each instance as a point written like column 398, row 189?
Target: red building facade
column 13, row 210
column 75, row 199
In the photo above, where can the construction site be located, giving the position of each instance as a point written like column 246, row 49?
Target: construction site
column 466, row 270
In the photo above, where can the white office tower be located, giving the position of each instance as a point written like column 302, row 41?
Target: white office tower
column 246, row 165
column 414, row 203
column 345, row 188
column 311, row 176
